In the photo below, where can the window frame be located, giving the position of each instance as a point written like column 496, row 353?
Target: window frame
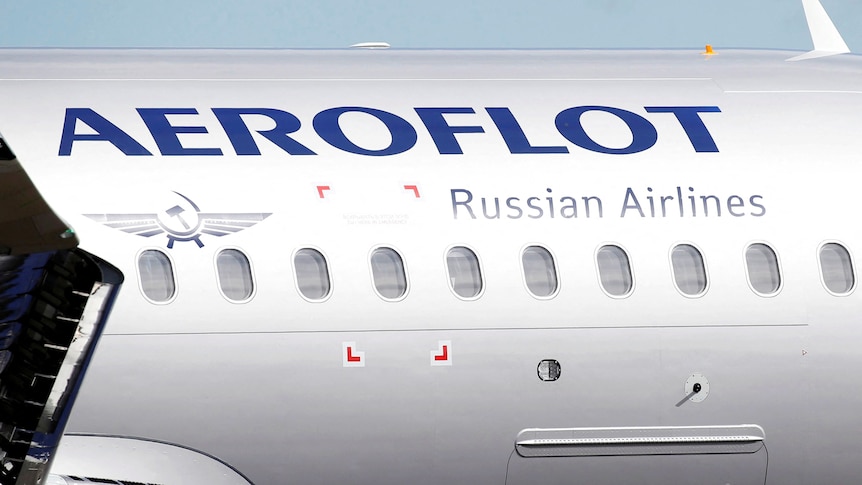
column 852, row 267
column 524, row 273
column 250, row 269
column 777, row 264
column 630, row 267
column 449, row 277
column 407, row 285
column 328, row 274
column 706, row 274
column 173, row 267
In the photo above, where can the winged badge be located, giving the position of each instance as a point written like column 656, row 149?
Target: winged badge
column 182, row 222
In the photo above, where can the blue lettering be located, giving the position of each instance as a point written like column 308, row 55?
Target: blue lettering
column 643, row 132
column 539, row 211
column 464, row 203
column 760, row 206
column 694, row 128
column 165, row 134
column 510, row 203
column 441, row 132
column 240, row 136
column 105, row 131
column 327, row 124
column 733, row 202
column 403, row 135
column 514, row 136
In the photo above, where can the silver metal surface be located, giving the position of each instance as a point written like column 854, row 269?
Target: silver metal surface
column 639, row 441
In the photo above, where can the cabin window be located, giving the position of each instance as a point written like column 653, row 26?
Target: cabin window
column 465, row 278
column 836, row 268
column 689, row 272
column 387, row 270
column 234, row 275
column 156, row 275
column 615, row 271
column 312, row 274
column 764, row 275
column 540, row 273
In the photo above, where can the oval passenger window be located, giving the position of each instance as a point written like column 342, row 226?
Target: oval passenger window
column 234, row 275
column 836, row 267
column 465, row 278
column 387, row 270
column 540, row 273
column 763, row 271
column 156, row 276
column 312, row 274
column 614, row 270
column 689, row 272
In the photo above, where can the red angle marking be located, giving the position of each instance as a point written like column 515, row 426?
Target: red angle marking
column 352, row 358
column 445, row 355
column 320, row 189
column 414, row 188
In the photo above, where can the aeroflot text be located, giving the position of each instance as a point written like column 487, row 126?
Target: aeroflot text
column 166, row 124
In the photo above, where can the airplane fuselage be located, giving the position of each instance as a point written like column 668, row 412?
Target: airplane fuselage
column 614, row 170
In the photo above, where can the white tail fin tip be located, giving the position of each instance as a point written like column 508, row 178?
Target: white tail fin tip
column 826, row 38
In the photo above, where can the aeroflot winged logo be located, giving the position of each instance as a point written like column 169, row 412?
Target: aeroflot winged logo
column 181, row 222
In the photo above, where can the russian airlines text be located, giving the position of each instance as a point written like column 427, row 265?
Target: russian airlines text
column 681, row 202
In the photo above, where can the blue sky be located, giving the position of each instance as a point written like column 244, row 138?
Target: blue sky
column 420, row 24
